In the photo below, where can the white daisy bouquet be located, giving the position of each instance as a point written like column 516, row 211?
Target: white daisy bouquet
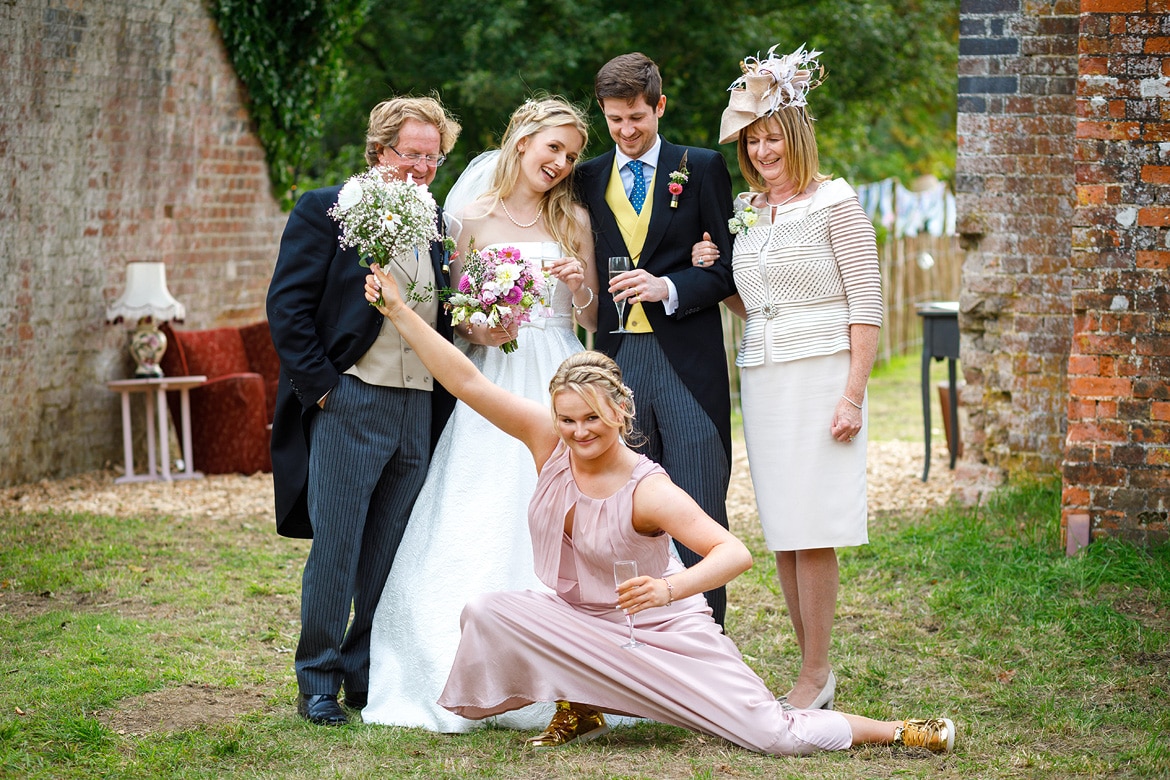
column 499, row 287
column 384, row 217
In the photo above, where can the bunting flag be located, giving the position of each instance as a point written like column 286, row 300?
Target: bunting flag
column 905, row 212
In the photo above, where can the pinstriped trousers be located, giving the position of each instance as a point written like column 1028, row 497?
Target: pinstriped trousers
column 369, row 449
column 679, row 436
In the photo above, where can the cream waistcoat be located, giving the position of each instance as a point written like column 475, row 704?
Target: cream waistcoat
column 390, row 361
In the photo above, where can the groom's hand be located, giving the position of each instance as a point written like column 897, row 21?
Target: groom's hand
column 638, row 286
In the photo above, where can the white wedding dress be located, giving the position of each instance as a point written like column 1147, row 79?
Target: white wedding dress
column 468, row 534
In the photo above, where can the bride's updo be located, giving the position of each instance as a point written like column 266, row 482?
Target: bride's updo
column 595, row 376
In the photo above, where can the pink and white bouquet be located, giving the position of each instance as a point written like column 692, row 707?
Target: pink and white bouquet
column 384, row 217
column 499, row 287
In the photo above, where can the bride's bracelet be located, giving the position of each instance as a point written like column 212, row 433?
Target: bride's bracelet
column 585, row 305
column 669, row 592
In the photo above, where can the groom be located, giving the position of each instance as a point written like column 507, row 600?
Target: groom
column 356, row 413
column 674, row 359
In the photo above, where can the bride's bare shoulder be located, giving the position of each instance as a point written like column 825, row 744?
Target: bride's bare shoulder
column 478, row 211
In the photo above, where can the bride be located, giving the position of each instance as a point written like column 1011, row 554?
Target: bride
column 468, row 532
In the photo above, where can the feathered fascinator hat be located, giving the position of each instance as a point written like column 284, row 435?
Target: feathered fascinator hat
column 767, row 85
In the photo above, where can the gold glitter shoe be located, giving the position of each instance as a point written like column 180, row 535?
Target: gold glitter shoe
column 937, row 734
column 570, row 723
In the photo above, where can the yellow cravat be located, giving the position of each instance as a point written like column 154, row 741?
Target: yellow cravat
column 633, row 227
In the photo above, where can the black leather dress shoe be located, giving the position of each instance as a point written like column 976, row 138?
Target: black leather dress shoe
column 356, row 700
column 321, row 709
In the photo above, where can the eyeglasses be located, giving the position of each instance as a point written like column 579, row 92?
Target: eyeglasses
column 432, row 160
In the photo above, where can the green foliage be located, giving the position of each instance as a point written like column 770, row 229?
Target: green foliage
column 288, row 54
column 314, row 69
column 888, row 107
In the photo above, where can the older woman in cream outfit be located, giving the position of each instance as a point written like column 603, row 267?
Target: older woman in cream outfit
column 806, row 268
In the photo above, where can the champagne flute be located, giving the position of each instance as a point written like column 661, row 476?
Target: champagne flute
column 618, row 266
column 550, row 252
column 622, row 571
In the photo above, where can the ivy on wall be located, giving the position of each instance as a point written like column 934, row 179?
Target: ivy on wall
column 288, row 55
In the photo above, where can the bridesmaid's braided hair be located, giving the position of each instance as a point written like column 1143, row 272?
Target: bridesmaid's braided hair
column 595, row 376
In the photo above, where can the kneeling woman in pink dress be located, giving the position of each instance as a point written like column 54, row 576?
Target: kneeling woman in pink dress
column 598, row 502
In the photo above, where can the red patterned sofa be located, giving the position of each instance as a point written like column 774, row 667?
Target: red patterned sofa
column 231, row 413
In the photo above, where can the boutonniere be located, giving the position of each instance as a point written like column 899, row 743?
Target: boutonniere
column 448, row 247
column 677, row 180
column 743, row 219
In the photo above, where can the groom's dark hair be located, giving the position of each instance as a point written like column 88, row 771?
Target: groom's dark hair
column 627, row 77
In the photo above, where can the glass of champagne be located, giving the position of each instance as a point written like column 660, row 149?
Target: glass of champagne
column 618, row 266
column 550, row 252
column 622, row 571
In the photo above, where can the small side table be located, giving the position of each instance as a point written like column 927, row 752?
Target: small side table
column 155, row 391
column 940, row 339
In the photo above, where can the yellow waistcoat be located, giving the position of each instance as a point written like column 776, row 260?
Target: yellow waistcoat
column 633, row 227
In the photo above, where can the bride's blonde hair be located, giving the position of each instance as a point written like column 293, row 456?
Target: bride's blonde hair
column 528, row 120
column 597, row 379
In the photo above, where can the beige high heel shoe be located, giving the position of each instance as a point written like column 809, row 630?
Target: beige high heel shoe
column 824, row 699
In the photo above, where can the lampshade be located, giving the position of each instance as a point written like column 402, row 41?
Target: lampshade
column 146, row 295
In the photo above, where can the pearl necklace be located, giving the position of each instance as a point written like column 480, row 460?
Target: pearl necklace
column 781, row 203
column 539, row 211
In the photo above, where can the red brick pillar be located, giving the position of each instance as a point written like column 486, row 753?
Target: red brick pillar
column 1014, row 182
column 1117, row 452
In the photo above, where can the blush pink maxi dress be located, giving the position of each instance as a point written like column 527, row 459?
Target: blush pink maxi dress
column 520, row 647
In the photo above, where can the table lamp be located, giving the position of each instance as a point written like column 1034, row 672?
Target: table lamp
column 147, row 300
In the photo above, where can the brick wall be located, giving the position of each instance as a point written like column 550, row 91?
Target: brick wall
column 1117, row 454
column 1015, row 190
column 1064, row 203
column 123, row 136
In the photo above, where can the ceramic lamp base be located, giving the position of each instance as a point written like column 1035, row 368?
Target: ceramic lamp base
column 147, row 346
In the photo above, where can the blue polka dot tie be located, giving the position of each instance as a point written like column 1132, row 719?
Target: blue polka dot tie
column 638, row 191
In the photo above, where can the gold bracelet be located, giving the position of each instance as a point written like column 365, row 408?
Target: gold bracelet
column 669, row 592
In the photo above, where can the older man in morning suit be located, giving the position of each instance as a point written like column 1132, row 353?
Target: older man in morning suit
column 356, row 412
column 674, row 360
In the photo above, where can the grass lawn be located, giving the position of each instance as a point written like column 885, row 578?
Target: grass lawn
column 120, row 634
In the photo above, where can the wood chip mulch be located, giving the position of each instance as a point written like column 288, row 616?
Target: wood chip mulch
column 894, row 472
